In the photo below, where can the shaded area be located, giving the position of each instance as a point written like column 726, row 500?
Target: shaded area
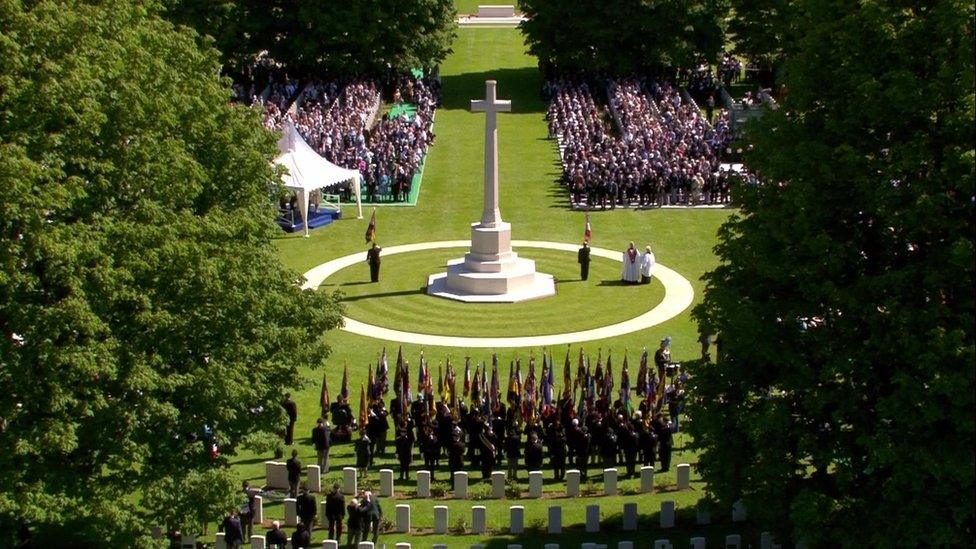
column 522, row 85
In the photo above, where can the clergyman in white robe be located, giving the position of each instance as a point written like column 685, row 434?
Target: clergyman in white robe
column 631, row 268
column 646, row 265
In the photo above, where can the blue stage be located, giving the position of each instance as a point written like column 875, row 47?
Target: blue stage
column 291, row 221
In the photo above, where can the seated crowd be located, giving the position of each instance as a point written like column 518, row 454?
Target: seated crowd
column 666, row 152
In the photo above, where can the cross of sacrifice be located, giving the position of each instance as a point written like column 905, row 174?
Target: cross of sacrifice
column 490, row 105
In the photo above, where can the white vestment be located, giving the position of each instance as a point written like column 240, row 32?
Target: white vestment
column 631, row 269
column 647, row 264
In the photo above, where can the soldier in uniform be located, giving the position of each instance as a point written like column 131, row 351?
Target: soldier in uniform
column 404, row 450
column 512, row 450
column 455, row 451
column 664, row 440
column 583, row 258
column 556, row 442
column 533, row 453
column 488, row 452
column 377, row 428
column 579, row 439
column 430, row 449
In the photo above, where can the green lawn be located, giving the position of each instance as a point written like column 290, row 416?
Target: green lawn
column 538, row 208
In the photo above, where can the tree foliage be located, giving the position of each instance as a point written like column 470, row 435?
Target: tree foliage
column 311, row 37
column 763, row 30
column 622, row 37
column 841, row 410
column 144, row 314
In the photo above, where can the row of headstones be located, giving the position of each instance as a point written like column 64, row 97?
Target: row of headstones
column 732, row 541
column 479, row 518
column 276, row 477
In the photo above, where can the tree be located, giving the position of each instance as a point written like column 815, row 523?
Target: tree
column 622, row 37
column 314, row 37
column 762, row 31
column 841, row 408
column 146, row 323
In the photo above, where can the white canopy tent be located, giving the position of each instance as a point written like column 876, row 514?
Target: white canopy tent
column 307, row 171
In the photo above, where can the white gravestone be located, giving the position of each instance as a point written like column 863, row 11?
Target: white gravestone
column 588, row 545
column 733, row 541
column 498, row 485
column 738, row 512
column 765, row 540
column 291, row 512
column 257, row 542
column 684, row 476
column 479, row 519
column 698, row 543
column 647, row 479
column 403, row 545
column 258, row 510
column 219, row 541
column 403, row 518
column 423, row 484
column 460, row 485
column 440, row 519
column 514, row 546
column 386, row 483
column 313, row 478
column 366, row 545
column 662, row 544
column 625, row 545
column 667, row 514
column 535, row 484
column 609, row 482
column 330, row 544
column 516, row 515
column 555, row 519
column 630, row 517
column 349, row 478
column 572, row 483
column 592, row 519
column 276, row 474
column 551, row 546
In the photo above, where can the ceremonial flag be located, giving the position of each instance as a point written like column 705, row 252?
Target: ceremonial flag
column 495, row 389
column 363, row 416
column 625, row 386
column 449, row 379
column 466, row 388
column 344, row 388
column 370, row 383
column 598, row 376
column 514, row 391
column 567, row 377
column 642, row 380
column 476, row 387
column 485, row 400
column 324, row 396
column 371, row 229
column 383, row 373
column 608, row 379
column 547, row 384
column 405, row 380
column 587, row 231
column 440, row 383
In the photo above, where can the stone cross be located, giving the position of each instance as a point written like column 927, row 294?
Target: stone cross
column 490, row 105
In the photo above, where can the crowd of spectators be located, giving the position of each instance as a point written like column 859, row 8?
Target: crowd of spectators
column 665, row 151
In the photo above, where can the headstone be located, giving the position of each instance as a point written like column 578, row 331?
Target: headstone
column 733, row 541
column 588, row 545
column 349, row 485
column 765, row 540
column 555, row 519
column 329, row 544
column 439, row 546
column 440, row 519
column 188, row 541
column 403, row 545
column 647, row 479
column 630, row 517
column 609, row 482
column 460, row 485
column 698, row 543
column 516, row 517
column 291, row 512
column 313, row 478
column 551, row 546
column 667, row 514
column 498, row 485
column 535, row 484
column 684, row 476
column 275, row 474
column 403, row 518
column 423, row 484
column 572, row 483
column 738, row 511
column 257, row 542
column 479, row 519
column 514, row 546
column 258, row 510
column 592, row 519
column 365, row 545
column 703, row 516
column 386, row 483
column 662, row 544
column 219, row 541
column 625, row 545
column 477, row 546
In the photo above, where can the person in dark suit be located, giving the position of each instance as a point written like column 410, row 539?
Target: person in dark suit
column 292, row 410
column 247, row 510
column 275, row 538
column 373, row 258
column 233, row 532
column 302, row 538
column 583, row 258
column 335, row 511
column 306, row 508
column 320, row 438
column 372, row 514
column 294, row 468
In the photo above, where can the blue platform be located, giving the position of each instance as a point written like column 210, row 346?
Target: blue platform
column 317, row 219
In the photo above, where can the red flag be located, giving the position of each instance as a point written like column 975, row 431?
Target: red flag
column 371, row 229
column 587, row 231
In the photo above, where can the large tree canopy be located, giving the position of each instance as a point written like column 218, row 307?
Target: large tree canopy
column 841, row 410
column 342, row 38
column 144, row 314
column 622, row 37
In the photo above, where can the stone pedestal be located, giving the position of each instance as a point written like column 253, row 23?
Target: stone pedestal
column 733, row 541
column 423, row 484
column 460, row 485
column 257, row 542
column 647, row 479
column 684, row 476
column 572, row 483
column 349, row 485
column 386, row 483
column 592, row 519
column 667, row 514
column 403, row 518
column 555, row 520
column 498, row 485
column 535, row 484
column 313, row 478
column 291, row 512
column 609, row 482
column 440, row 519
column 479, row 519
column 516, row 517
column 630, row 517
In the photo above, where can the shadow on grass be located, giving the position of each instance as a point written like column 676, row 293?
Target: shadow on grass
column 521, row 85
column 386, row 294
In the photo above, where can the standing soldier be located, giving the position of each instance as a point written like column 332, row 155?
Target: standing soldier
column 404, row 450
column 373, row 258
column 583, row 258
column 320, row 438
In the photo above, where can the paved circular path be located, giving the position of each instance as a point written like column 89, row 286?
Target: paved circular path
column 678, row 295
